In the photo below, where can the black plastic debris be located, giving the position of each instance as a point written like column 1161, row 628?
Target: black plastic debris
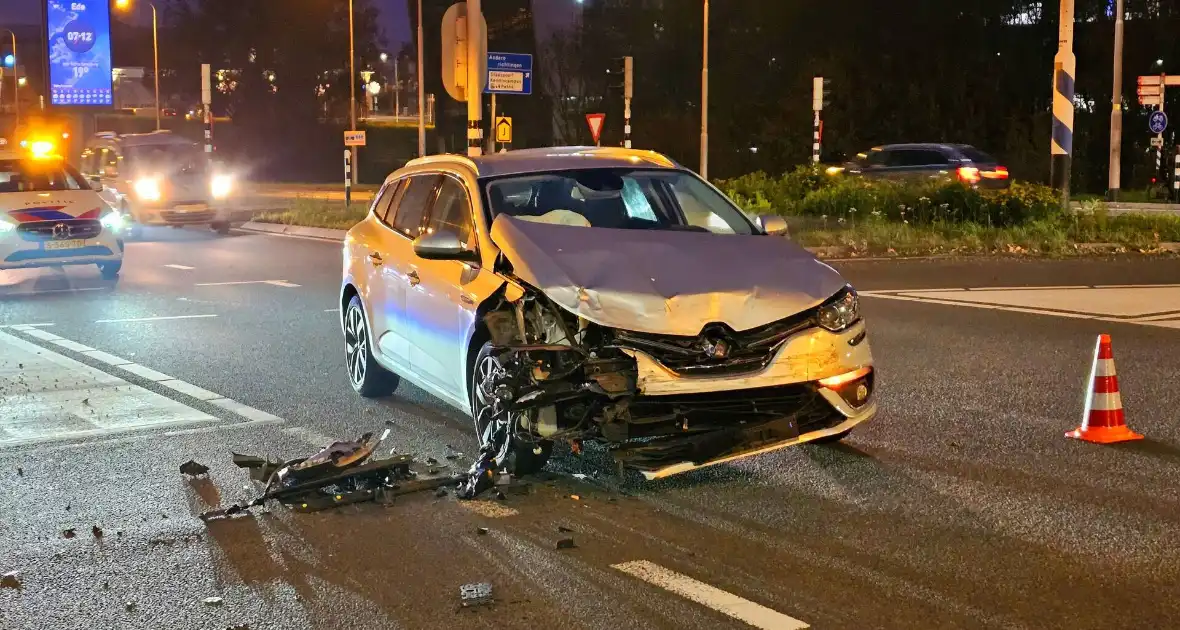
column 20, row 472
column 130, row 606
column 482, row 531
column 340, row 474
column 69, row 533
column 96, row 531
column 566, row 543
column 193, row 469
column 478, row 594
column 10, row 580
column 564, row 530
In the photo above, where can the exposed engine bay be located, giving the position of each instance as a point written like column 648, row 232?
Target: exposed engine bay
column 559, row 377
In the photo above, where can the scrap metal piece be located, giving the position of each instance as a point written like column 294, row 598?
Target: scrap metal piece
column 11, row 580
column 477, row 594
column 193, row 469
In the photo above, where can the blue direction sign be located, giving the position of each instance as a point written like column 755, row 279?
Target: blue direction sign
column 1157, row 122
column 509, row 73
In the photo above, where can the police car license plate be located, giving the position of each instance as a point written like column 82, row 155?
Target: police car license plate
column 73, row 243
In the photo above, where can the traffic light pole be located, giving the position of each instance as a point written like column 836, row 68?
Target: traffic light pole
column 1064, row 71
column 474, row 95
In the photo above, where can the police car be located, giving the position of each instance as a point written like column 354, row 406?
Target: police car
column 51, row 216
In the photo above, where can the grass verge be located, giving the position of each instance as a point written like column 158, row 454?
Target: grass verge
column 879, row 236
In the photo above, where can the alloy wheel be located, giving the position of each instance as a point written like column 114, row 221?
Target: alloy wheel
column 356, row 346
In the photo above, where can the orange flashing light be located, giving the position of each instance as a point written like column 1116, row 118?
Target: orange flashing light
column 833, row 382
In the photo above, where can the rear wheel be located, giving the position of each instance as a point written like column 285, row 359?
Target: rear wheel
column 523, row 456
column 110, row 270
column 366, row 376
column 221, row 227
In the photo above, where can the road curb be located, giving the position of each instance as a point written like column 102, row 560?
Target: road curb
column 323, row 234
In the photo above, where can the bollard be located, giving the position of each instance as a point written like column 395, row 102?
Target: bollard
column 347, row 178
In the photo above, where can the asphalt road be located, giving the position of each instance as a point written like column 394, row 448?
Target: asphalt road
column 960, row 506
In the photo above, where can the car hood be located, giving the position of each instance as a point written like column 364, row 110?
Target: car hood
column 665, row 282
column 57, row 205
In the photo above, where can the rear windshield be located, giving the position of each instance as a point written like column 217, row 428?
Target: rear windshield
column 39, row 176
column 167, row 158
column 977, row 156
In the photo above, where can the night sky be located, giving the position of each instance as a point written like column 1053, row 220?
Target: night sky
column 395, row 16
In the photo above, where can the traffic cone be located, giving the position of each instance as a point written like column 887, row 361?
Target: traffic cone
column 1102, row 420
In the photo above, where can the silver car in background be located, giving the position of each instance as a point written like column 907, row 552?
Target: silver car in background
column 602, row 294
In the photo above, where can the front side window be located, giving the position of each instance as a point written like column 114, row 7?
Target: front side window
column 619, row 198
column 38, row 176
column 386, row 199
column 411, row 209
column 452, row 212
column 167, row 159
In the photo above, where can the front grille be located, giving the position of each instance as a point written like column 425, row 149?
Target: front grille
column 172, row 216
column 802, row 401
column 746, row 351
column 59, row 230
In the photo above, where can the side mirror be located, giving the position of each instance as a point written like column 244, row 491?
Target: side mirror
column 773, row 224
column 443, row 245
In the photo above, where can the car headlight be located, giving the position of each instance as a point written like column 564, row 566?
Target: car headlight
column 6, row 225
column 112, row 220
column 221, row 186
column 148, row 189
column 840, row 312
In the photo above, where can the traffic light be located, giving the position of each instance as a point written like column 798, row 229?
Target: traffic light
column 820, row 93
column 620, row 71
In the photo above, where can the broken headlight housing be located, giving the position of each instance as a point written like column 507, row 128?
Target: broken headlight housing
column 841, row 311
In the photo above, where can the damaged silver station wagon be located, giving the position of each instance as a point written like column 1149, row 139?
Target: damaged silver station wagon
column 600, row 294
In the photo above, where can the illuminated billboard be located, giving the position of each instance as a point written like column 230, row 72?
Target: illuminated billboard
column 78, row 33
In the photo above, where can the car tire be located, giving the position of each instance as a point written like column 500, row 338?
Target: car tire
column 367, row 377
column 110, row 270
column 523, row 455
column 221, row 227
column 832, row 439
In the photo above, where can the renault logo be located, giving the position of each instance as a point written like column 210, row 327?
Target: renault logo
column 61, row 231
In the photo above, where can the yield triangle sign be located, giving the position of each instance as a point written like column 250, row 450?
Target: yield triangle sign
column 595, row 121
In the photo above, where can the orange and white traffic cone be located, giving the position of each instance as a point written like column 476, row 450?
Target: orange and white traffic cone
column 1103, row 421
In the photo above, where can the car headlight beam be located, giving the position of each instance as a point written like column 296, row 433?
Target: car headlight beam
column 840, row 312
column 112, row 220
column 221, row 186
column 148, row 189
column 6, row 226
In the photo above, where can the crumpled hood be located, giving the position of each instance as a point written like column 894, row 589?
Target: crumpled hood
column 58, row 205
column 665, row 282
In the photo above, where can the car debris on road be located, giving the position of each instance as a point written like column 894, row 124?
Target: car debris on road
column 343, row 474
column 11, row 580
column 477, row 594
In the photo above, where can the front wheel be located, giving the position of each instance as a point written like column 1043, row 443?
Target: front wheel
column 523, row 456
column 221, row 227
column 110, row 270
column 366, row 376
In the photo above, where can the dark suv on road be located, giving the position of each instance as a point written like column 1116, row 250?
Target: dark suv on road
column 960, row 162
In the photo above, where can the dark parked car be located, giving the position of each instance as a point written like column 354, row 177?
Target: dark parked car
column 930, row 161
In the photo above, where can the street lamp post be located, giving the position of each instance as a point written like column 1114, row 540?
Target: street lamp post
column 705, row 96
column 421, row 91
column 15, row 81
column 352, row 88
column 124, row 5
column 1116, row 109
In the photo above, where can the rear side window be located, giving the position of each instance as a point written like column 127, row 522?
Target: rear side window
column 411, row 208
column 917, row 157
column 878, row 158
column 977, row 156
column 386, row 199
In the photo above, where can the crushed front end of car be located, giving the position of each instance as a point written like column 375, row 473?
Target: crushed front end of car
column 675, row 371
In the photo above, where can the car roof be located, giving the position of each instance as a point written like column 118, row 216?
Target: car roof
column 934, row 146
column 523, row 161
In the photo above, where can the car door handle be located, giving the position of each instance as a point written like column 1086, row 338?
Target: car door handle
column 376, row 259
column 413, row 278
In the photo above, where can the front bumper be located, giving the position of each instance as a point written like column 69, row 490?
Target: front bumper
column 190, row 214
column 806, row 392
column 16, row 253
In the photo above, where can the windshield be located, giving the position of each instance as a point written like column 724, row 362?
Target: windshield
column 635, row 199
column 169, row 158
column 38, row 176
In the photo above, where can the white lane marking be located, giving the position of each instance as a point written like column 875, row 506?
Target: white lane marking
column 47, row 396
column 71, row 345
column 109, row 359
column 150, row 319
column 189, row 389
column 145, row 372
column 23, row 326
column 47, row 291
column 41, row 334
column 1061, row 287
column 331, row 310
column 180, row 267
column 723, row 602
column 277, row 283
column 245, row 411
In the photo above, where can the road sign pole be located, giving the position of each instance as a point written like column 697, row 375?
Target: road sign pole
column 492, row 134
column 1064, row 71
column 1176, row 176
column 348, row 176
column 1116, row 110
column 474, row 95
column 628, row 91
column 1159, row 149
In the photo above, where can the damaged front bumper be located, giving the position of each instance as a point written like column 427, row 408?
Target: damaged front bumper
column 816, row 385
